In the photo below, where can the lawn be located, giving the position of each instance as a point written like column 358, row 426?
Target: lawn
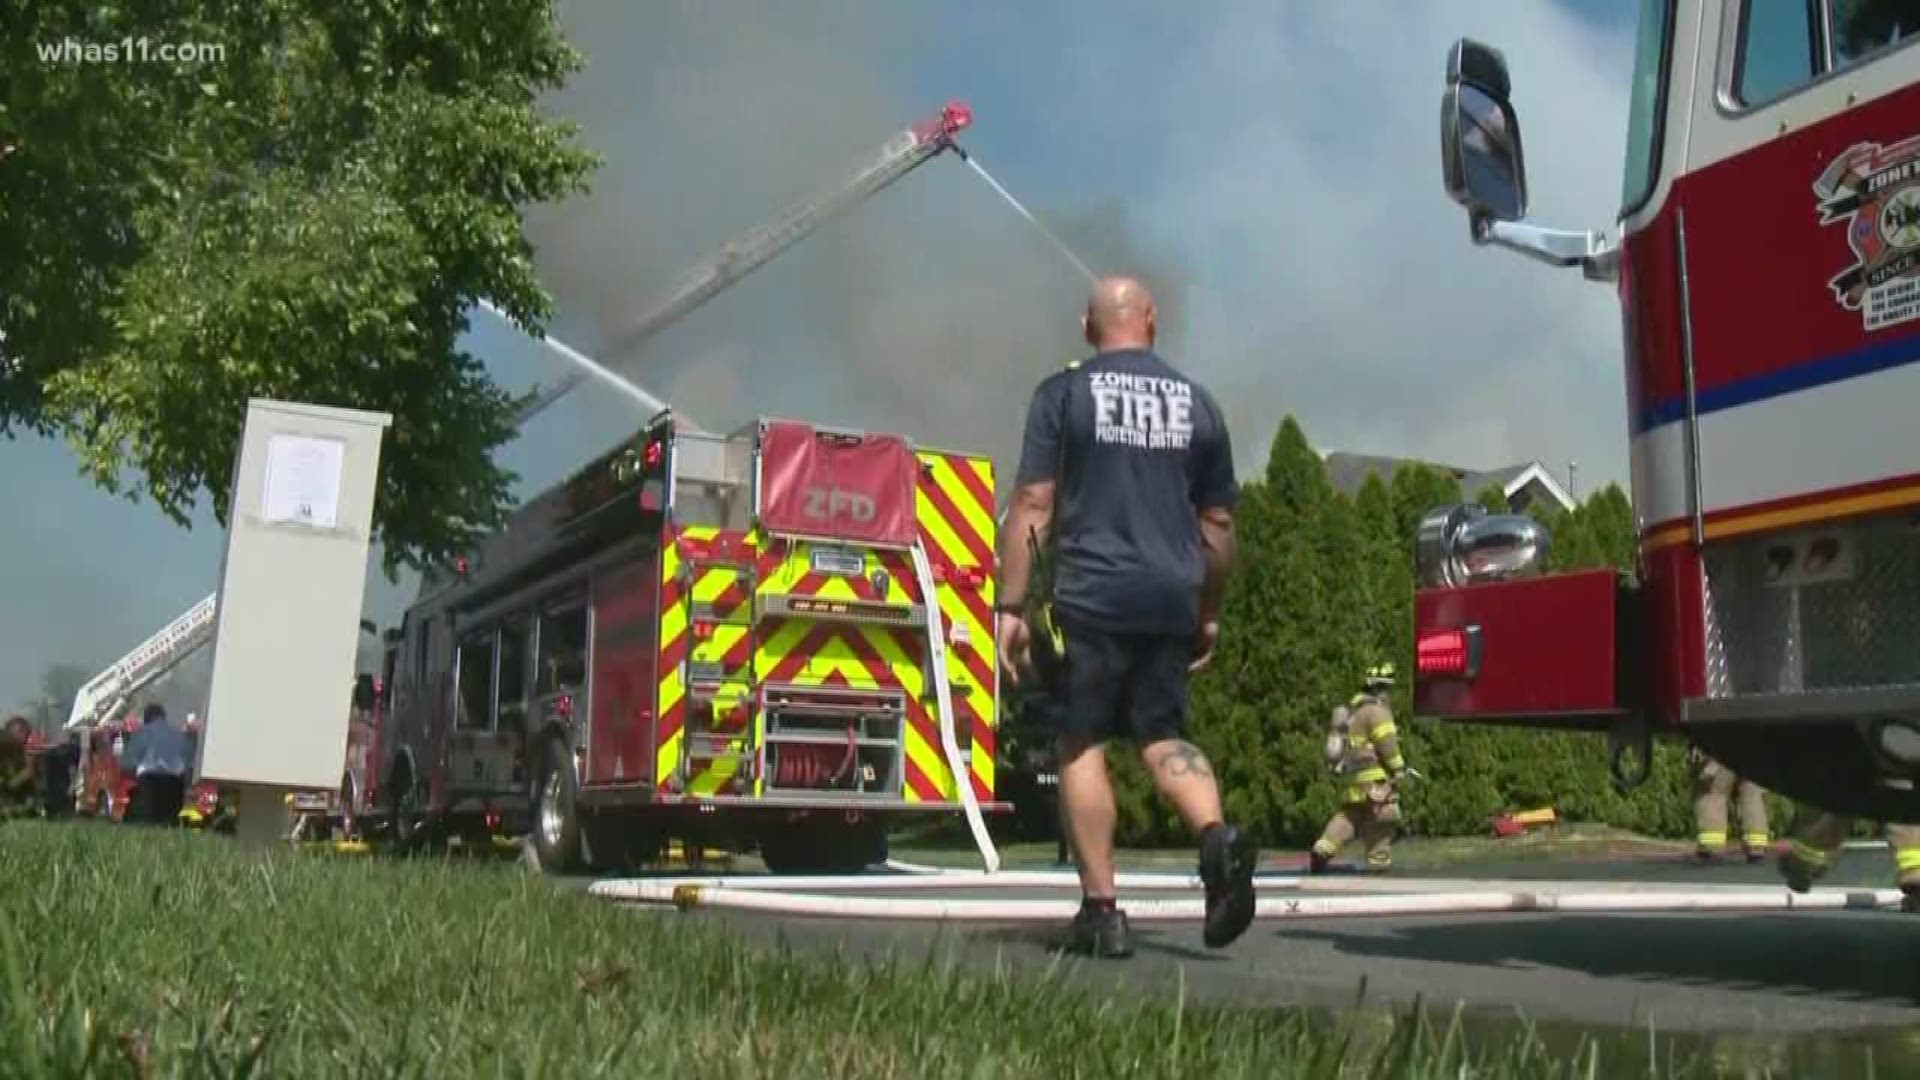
column 129, row 952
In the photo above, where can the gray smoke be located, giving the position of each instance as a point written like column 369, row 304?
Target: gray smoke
column 931, row 310
column 1272, row 172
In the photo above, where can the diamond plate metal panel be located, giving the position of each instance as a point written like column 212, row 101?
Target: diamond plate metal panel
column 1821, row 609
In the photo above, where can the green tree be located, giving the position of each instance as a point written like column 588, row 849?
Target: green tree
column 1494, row 498
column 310, row 216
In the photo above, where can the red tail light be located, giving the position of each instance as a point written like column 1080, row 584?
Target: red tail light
column 653, row 454
column 702, row 630
column 970, row 577
column 1445, row 652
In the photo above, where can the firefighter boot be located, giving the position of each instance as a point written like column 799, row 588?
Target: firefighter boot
column 1100, row 929
column 1802, row 864
column 1227, row 858
column 1910, row 899
column 1318, row 861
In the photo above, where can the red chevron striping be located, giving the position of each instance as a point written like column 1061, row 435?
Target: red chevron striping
column 673, row 651
column 870, row 658
column 731, row 599
column 738, row 655
column 984, row 735
column 671, row 721
column 794, row 661
column 975, row 484
column 899, row 566
column 977, row 548
column 977, row 666
column 975, row 601
column 918, row 781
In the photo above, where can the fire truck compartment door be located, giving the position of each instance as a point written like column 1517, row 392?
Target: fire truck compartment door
column 853, row 487
column 1547, row 648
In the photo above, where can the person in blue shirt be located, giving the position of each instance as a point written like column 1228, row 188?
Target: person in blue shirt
column 159, row 756
column 1127, row 471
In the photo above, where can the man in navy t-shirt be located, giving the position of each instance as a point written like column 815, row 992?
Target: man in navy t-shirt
column 1127, row 465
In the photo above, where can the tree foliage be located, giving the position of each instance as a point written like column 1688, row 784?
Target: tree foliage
column 1324, row 586
column 308, row 215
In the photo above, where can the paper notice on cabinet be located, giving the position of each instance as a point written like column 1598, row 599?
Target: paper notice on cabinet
column 303, row 480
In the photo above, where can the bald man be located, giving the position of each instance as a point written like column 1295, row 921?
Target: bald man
column 1127, row 471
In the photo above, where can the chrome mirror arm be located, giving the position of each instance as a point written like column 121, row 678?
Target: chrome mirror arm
column 1597, row 256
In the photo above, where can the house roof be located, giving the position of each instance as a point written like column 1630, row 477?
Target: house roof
column 1348, row 472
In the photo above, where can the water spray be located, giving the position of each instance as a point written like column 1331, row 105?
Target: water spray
column 1052, row 237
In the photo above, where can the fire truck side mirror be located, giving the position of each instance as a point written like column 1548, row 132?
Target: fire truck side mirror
column 1480, row 154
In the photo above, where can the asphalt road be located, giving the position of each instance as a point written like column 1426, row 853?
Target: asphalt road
column 1782, row 974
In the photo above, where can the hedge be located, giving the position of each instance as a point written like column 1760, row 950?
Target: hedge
column 1324, row 587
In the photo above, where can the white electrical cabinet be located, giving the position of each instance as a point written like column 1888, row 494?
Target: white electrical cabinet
column 291, row 584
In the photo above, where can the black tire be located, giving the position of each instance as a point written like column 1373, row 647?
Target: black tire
column 555, row 839
column 823, row 846
column 408, row 822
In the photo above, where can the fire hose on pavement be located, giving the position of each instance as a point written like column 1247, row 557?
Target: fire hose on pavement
column 786, row 899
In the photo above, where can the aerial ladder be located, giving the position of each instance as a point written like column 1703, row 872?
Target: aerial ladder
column 901, row 155
column 106, row 693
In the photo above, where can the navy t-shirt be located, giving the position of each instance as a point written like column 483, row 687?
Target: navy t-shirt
column 1136, row 450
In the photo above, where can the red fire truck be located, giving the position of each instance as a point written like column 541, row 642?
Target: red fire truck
column 106, row 791
column 1769, row 278
column 778, row 638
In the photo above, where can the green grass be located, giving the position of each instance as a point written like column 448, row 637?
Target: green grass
column 130, row 952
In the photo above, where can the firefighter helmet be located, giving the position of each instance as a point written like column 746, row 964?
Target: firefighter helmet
column 1380, row 675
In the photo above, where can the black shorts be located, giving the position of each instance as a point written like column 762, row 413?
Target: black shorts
column 1122, row 685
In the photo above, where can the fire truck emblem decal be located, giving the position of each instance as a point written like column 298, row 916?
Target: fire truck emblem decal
column 1876, row 190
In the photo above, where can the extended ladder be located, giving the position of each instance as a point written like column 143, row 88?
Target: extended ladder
column 107, row 692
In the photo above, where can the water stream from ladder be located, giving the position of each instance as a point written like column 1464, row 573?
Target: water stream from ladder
column 1052, row 237
column 588, row 366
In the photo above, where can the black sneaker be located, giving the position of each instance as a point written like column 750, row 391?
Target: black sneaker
column 1101, row 932
column 1227, row 860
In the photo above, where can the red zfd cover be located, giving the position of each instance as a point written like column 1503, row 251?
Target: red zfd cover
column 834, row 485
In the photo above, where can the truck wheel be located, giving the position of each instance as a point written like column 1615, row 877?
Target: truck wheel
column 403, row 810
column 555, row 841
column 829, row 846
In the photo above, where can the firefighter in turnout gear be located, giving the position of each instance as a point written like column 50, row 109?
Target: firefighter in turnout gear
column 1363, row 747
column 1712, row 784
column 1815, row 835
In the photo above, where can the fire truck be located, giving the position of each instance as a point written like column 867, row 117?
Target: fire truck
column 1768, row 273
column 778, row 638
column 106, row 791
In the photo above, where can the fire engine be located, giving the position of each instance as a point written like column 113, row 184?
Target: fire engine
column 1768, row 273
column 106, row 791
column 777, row 638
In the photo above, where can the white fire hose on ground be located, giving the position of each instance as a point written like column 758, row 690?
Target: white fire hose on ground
column 689, row 895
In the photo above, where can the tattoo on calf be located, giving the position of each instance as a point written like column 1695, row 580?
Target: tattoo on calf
column 1185, row 759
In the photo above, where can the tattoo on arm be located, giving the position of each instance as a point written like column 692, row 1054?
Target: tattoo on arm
column 1032, row 509
column 1185, row 759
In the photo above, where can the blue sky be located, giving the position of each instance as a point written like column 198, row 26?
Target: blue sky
column 1278, row 158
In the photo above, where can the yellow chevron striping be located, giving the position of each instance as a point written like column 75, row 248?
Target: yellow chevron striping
column 976, row 517
column 936, row 525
